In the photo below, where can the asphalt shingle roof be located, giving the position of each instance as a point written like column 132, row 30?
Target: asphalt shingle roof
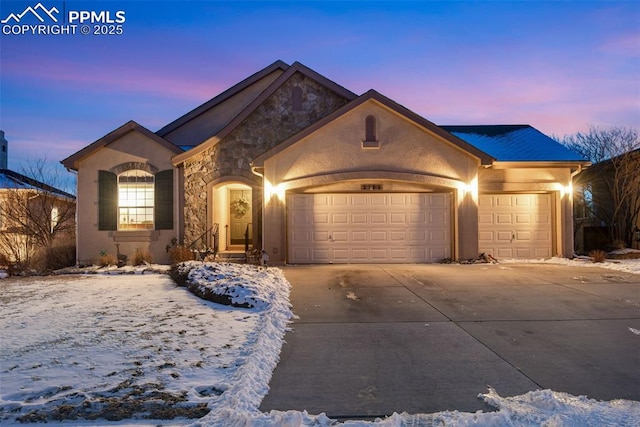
column 512, row 143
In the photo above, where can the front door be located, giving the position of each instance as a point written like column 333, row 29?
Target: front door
column 239, row 216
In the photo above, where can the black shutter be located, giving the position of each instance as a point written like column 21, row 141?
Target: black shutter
column 164, row 200
column 107, row 201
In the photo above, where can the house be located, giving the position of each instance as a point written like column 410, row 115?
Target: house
column 295, row 164
column 35, row 219
column 607, row 204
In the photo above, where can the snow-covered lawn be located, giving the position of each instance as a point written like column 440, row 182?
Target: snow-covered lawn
column 138, row 350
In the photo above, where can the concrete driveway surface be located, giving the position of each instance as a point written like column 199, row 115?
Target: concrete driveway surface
column 371, row 340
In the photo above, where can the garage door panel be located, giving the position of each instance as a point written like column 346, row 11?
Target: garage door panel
column 359, row 236
column 399, row 200
column 340, row 236
column 398, row 235
column 302, row 236
column 359, row 255
column 439, row 219
column 516, row 225
column 438, row 236
column 438, row 253
column 379, row 200
column 340, row 255
column 398, row 218
column 320, row 236
column 368, row 227
column 504, row 219
column 543, row 218
column 417, row 236
column 322, row 218
column 378, row 218
column 485, row 219
column 338, row 200
column 379, row 236
column 438, row 201
column 339, row 218
column 358, row 200
column 359, row 218
column 417, row 218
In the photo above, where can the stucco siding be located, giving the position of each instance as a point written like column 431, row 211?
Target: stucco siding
column 403, row 147
column 132, row 147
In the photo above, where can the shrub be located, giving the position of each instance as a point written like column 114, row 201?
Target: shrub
column 60, row 257
column 598, row 255
column 142, row 256
column 4, row 261
column 107, row 260
column 180, row 253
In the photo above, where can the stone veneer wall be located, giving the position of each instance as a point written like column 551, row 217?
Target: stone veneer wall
column 271, row 123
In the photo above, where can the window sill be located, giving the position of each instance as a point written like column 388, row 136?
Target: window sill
column 368, row 145
column 135, row 235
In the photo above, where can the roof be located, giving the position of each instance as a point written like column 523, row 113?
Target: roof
column 296, row 67
column 514, row 143
column 485, row 158
column 218, row 99
column 14, row 180
column 72, row 161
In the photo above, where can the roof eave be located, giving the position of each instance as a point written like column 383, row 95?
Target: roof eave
column 514, row 164
column 72, row 162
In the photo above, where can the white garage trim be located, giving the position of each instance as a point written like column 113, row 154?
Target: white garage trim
column 368, row 227
column 515, row 225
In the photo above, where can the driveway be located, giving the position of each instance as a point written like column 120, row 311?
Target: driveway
column 371, row 340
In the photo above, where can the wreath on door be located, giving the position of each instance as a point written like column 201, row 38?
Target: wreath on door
column 240, row 207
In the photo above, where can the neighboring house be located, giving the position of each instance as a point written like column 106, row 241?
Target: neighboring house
column 313, row 173
column 33, row 215
column 607, row 204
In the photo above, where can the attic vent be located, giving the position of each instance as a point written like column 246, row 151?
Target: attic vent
column 371, row 187
column 296, row 98
column 370, row 140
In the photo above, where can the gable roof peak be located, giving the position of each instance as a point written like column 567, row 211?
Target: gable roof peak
column 221, row 97
column 71, row 162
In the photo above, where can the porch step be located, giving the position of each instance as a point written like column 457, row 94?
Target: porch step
column 231, row 256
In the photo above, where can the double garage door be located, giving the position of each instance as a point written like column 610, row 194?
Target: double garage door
column 368, row 227
column 411, row 227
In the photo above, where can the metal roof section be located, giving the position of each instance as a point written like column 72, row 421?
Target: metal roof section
column 514, row 143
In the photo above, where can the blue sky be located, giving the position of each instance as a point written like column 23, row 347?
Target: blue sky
column 559, row 66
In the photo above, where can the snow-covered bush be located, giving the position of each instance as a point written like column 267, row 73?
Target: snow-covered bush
column 238, row 285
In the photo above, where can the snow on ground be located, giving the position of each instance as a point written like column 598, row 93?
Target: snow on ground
column 138, row 347
column 626, row 265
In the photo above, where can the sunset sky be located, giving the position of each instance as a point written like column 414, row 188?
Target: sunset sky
column 559, row 66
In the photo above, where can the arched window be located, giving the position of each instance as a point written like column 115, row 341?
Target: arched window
column 135, row 200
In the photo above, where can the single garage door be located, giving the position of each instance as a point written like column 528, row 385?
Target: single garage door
column 368, row 227
column 515, row 225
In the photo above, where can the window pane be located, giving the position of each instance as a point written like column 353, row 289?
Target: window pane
column 135, row 200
